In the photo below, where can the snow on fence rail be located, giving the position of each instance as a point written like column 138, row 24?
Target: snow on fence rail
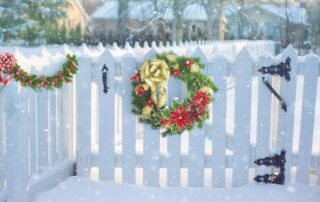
column 42, row 132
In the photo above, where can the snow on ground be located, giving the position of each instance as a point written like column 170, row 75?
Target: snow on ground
column 77, row 189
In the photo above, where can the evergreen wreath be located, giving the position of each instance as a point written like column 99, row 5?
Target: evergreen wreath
column 149, row 94
column 10, row 69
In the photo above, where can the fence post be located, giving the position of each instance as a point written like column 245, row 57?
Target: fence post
column 17, row 171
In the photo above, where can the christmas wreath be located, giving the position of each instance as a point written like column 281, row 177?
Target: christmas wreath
column 149, row 95
column 10, row 69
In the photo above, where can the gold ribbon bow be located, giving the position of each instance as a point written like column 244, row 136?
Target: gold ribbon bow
column 155, row 73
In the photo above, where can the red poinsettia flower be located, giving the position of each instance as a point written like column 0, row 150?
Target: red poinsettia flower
column 179, row 117
column 136, row 77
column 176, row 73
column 201, row 99
column 164, row 121
column 188, row 63
column 149, row 103
column 195, row 113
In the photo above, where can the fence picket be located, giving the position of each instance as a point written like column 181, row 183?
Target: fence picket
column 264, row 115
column 311, row 66
column 106, row 118
column 32, row 130
column 173, row 142
column 151, row 146
column 17, row 171
column 241, row 142
column 128, row 122
column 84, row 106
column 43, row 129
column 286, row 119
column 52, row 127
column 217, row 129
column 197, row 144
column 2, row 139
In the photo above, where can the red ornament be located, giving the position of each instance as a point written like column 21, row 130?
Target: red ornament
column 176, row 73
column 136, row 77
column 179, row 117
column 30, row 83
column 201, row 99
column 5, row 81
column 72, row 67
column 140, row 90
column 188, row 63
column 149, row 103
column 59, row 73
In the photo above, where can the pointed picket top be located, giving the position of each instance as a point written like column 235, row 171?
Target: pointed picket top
column 288, row 52
column 154, row 45
column 128, row 47
column 167, row 45
column 85, row 50
column 137, row 45
column 174, row 44
column 243, row 56
column 199, row 53
column 161, row 46
column 100, row 47
column 145, row 45
column 115, row 46
column 151, row 54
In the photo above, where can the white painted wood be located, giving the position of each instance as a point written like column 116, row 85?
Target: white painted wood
column 197, row 144
column 2, row 139
column 173, row 142
column 52, row 127
column 106, row 103
column 128, row 121
column 43, row 129
column 151, row 146
column 32, row 131
column 17, row 168
column 67, row 110
column 217, row 129
column 263, row 116
column 311, row 66
column 286, row 119
column 241, row 141
column 61, row 126
column 84, row 116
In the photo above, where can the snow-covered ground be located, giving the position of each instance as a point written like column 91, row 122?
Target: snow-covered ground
column 77, row 189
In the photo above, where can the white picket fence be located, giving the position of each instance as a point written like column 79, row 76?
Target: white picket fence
column 42, row 133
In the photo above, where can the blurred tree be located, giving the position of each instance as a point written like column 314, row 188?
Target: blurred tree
column 75, row 36
column 10, row 20
column 39, row 18
column 122, row 21
column 313, row 10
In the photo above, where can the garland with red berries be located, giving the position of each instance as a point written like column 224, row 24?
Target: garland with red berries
column 10, row 69
column 149, row 95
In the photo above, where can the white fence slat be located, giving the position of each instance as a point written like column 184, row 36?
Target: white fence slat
column 84, row 116
column 17, row 171
column 67, row 110
column 61, row 124
column 173, row 142
column 43, row 129
column 311, row 66
column 2, row 138
column 52, row 127
column 197, row 144
column 241, row 142
column 107, row 117
column 128, row 121
column 151, row 147
column 286, row 119
column 32, row 130
column 217, row 129
column 264, row 115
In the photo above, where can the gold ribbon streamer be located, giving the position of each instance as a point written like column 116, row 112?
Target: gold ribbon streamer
column 155, row 73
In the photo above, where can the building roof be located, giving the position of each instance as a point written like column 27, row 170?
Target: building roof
column 194, row 12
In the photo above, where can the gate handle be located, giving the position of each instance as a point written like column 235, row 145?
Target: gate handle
column 105, row 78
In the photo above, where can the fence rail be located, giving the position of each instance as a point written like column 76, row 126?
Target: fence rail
column 41, row 133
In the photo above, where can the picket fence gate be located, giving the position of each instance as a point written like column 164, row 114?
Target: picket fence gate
column 45, row 134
